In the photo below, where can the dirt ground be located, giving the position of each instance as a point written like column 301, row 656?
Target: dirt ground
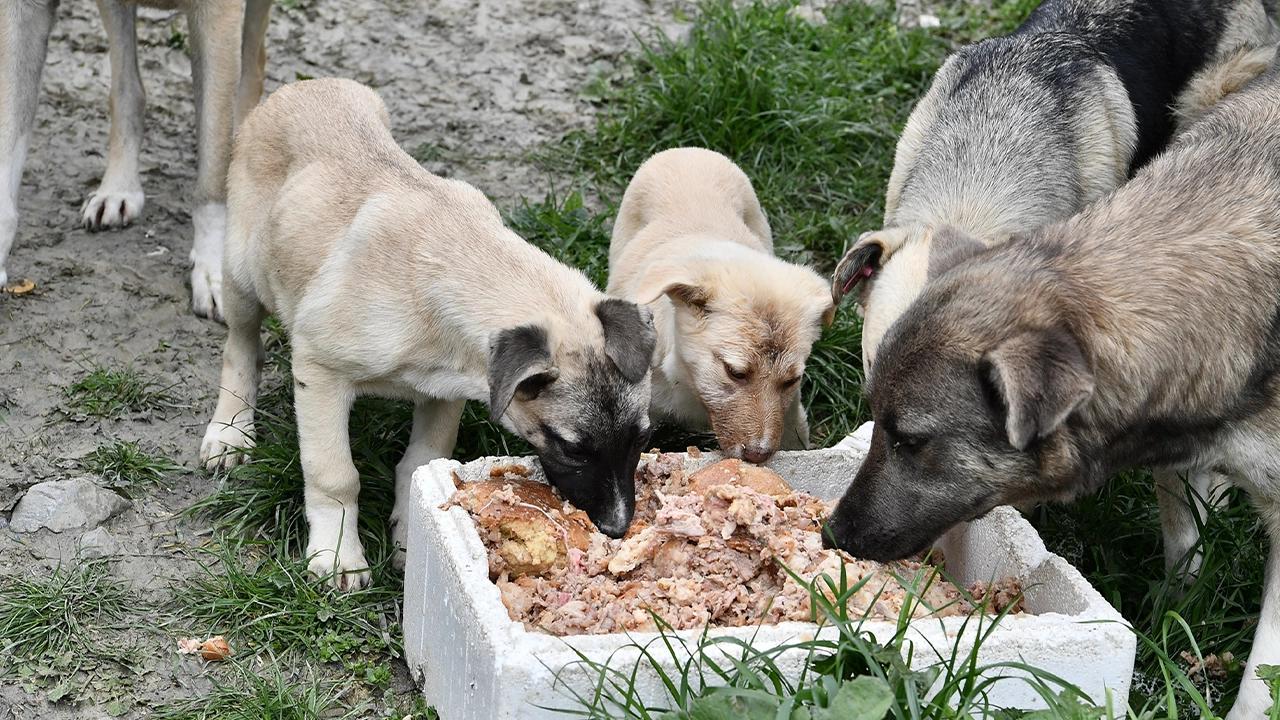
column 471, row 86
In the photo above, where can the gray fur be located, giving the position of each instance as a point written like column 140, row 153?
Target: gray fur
column 519, row 358
column 629, row 336
column 1145, row 331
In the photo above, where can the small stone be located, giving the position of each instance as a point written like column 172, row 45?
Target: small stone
column 575, row 47
column 65, row 505
column 98, row 543
column 929, row 21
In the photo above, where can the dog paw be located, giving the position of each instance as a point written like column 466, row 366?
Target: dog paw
column 344, row 569
column 224, row 444
column 112, row 208
column 206, row 290
column 400, row 537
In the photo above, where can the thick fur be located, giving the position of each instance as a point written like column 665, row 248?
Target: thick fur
column 735, row 323
column 393, row 281
column 1145, row 331
column 1020, row 131
column 228, row 57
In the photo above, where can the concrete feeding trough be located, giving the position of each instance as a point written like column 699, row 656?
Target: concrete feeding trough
column 474, row 663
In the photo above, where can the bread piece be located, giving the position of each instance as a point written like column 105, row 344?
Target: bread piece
column 534, row 528
column 735, row 472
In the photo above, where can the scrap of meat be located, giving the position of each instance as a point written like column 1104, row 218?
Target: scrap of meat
column 722, row 546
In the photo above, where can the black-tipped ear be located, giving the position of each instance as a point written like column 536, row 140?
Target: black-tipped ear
column 1042, row 377
column 629, row 336
column 519, row 365
column 864, row 260
column 949, row 246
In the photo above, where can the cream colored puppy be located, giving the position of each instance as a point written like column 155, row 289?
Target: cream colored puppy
column 392, row 281
column 735, row 323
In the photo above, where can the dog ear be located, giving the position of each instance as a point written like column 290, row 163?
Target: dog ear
column 863, row 260
column 1042, row 377
column 629, row 336
column 677, row 283
column 519, row 367
column 948, row 247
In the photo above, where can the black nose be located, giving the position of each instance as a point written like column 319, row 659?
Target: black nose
column 612, row 529
column 757, row 453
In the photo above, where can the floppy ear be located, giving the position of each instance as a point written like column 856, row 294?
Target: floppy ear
column 863, row 260
column 519, row 366
column 629, row 336
column 676, row 282
column 1042, row 377
column 949, row 246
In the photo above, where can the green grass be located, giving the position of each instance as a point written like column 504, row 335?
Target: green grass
column 115, row 392
column 266, row 693
column 47, row 616
column 124, row 464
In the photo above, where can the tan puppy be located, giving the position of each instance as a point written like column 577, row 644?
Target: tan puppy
column 395, row 282
column 227, row 60
column 735, row 323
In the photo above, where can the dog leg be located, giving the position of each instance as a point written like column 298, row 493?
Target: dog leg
column 1254, row 700
column 1181, row 518
column 230, row 432
column 119, row 198
column 24, row 38
column 215, row 44
column 253, row 57
column 435, row 432
column 332, row 485
column 795, row 427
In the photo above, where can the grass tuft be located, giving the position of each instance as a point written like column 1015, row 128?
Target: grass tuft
column 125, row 464
column 47, row 616
column 265, row 693
column 113, row 392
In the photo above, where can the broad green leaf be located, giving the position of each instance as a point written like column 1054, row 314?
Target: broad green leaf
column 863, row 698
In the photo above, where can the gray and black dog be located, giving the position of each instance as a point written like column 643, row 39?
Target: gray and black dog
column 1144, row 331
column 1020, row 131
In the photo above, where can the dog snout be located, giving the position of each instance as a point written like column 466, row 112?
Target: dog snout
column 757, row 452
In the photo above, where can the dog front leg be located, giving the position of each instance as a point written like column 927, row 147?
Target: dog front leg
column 1181, row 517
column 435, row 432
column 1254, row 700
column 795, row 426
column 24, row 39
column 216, row 29
column 332, row 486
column 119, row 198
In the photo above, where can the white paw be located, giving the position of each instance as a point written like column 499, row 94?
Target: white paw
column 210, row 223
column 224, row 444
column 206, row 289
column 400, row 537
column 344, row 568
column 111, row 207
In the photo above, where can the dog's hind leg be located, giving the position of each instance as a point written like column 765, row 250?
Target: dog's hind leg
column 119, row 199
column 435, row 432
column 24, row 38
column 231, row 430
column 253, row 57
column 1182, row 514
column 216, row 29
column 1254, row 700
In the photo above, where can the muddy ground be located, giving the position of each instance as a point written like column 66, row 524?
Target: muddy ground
column 471, row 86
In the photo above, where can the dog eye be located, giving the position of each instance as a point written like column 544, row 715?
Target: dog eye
column 735, row 373
column 909, row 442
column 787, row 384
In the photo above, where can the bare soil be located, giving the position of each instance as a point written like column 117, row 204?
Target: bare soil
column 472, row 87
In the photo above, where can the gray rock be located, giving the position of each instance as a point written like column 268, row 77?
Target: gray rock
column 65, row 505
column 98, row 543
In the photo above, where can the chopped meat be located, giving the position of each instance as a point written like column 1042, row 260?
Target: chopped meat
column 729, row 545
column 1000, row 595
